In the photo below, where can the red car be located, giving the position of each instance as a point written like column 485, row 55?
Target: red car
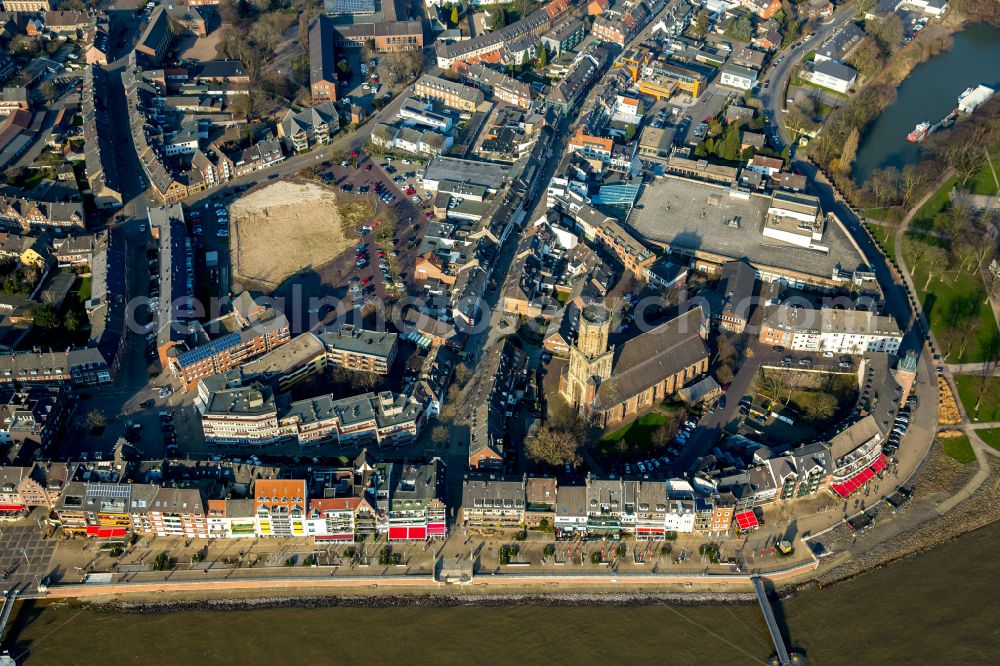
column 381, row 254
column 428, row 214
column 366, row 281
column 410, row 191
column 354, row 153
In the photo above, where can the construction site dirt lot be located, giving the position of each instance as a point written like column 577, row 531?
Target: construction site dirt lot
column 282, row 229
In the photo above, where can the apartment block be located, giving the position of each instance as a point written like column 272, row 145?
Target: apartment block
column 493, row 502
column 839, row 331
column 280, row 506
column 450, row 93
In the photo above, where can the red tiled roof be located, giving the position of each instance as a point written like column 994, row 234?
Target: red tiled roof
column 334, row 504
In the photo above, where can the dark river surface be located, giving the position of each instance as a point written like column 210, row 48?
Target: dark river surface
column 930, row 93
column 939, row 607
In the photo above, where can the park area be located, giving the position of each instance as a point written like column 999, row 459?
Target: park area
column 953, row 297
column 641, row 436
column 984, row 392
column 958, row 448
column 282, row 229
column 991, row 436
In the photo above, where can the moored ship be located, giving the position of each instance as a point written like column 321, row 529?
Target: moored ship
column 919, row 132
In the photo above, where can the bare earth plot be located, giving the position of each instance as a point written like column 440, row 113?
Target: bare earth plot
column 200, row 48
column 281, row 229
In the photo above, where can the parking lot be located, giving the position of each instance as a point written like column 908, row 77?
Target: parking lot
column 361, row 276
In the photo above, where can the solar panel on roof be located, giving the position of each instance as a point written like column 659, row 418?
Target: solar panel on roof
column 354, row 6
column 208, row 350
column 113, row 490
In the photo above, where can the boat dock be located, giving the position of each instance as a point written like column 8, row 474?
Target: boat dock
column 782, row 656
column 7, row 610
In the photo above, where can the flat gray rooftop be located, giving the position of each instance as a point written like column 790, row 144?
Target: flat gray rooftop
column 689, row 215
column 488, row 175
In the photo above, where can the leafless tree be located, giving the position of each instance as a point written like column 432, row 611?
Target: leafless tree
column 554, row 447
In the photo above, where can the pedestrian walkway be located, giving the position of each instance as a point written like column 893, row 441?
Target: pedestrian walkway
column 972, row 486
column 992, row 369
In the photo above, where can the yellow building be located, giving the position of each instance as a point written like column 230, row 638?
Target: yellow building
column 659, row 87
column 36, row 254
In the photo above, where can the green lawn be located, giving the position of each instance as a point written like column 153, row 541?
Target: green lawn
column 83, row 290
column 637, row 430
column 958, row 448
column 886, row 239
column 924, row 219
column 944, row 294
column 991, row 436
column 968, row 393
column 984, row 183
column 632, row 440
column 876, row 213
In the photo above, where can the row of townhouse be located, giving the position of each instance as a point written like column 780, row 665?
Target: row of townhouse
column 23, row 214
column 564, row 96
column 452, row 94
column 100, row 165
column 39, row 484
column 491, row 46
column 401, row 501
column 605, row 507
column 499, row 85
column 623, row 23
column 74, row 367
column 410, row 139
column 174, row 160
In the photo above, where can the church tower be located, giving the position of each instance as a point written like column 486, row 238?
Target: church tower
column 590, row 359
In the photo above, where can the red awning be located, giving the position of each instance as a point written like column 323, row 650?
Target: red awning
column 879, row 464
column 11, row 507
column 855, row 482
column 747, row 520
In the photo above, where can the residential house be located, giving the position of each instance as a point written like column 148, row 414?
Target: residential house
column 741, row 78
column 541, row 496
column 833, row 75
column 309, row 127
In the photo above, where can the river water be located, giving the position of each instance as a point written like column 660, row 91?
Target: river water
column 929, row 93
column 939, row 607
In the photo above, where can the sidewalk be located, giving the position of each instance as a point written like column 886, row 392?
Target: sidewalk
column 992, row 369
